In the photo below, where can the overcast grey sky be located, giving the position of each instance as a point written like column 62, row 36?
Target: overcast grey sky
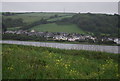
column 60, row 0
column 83, row 7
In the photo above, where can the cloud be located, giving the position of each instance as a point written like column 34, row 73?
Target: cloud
column 83, row 7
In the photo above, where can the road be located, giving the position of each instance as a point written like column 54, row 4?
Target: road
column 102, row 48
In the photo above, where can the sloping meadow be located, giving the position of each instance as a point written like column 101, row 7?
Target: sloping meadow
column 29, row 62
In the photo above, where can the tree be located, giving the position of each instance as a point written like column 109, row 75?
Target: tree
column 4, row 28
column 9, row 22
column 8, row 13
column 96, row 23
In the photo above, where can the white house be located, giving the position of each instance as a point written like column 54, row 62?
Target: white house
column 117, row 40
column 32, row 30
column 13, row 32
column 58, row 37
column 71, row 39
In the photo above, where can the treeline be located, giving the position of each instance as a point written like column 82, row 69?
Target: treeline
column 99, row 24
column 9, row 22
column 8, row 13
column 22, row 37
column 28, row 26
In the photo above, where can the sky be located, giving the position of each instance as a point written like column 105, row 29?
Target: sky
column 60, row 0
column 75, row 7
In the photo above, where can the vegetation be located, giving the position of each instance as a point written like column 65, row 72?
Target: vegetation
column 4, row 28
column 8, row 14
column 98, row 24
column 28, row 62
column 95, row 24
column 28, row 26
column 13, row 28
column 22, row 37
column 33, row 17
column 59, row 18
column 28, row 20
column 12, row 22
column 53, row 27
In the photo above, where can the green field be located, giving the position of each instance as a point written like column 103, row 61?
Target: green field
column 32, row 17
column 59, row 18
column 53, row 27
column 26, row 19
column 13, row 28
column 28, row 62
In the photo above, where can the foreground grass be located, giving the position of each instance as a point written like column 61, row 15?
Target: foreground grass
column 28, row 62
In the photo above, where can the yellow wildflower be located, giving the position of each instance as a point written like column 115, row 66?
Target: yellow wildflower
column 46, row 66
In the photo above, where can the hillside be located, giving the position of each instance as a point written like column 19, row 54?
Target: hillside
column 53, row 27
column 94, row 24
column 32, row 17
column 99, row 24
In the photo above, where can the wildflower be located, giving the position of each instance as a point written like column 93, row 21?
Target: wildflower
column 66, row 66
column 103, row 68
column 46, row 66
column 71, row 70
column 57, row 63
column 10, row 68
column 117, row 75
column 83, row 58
column 58, row 60
column 116, row 65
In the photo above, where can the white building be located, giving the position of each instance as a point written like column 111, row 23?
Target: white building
column 32, row 30
column 117, row 40
column 71, row 39
column 60, row 38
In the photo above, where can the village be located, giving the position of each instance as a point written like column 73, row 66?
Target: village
column 62, row 36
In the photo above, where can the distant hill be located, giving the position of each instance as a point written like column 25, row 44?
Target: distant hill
column 99, row 24
column 95, row 24
column 36, row 16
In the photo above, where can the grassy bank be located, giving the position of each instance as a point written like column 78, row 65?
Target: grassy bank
column 28, row 62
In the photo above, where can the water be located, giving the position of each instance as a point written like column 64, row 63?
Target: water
column 102, row 48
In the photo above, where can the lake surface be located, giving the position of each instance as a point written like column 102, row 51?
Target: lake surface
column 102, row 48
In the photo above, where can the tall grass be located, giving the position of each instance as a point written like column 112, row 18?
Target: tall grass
column 28, row 62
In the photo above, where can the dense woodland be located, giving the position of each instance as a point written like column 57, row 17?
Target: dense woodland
column 94, row 24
